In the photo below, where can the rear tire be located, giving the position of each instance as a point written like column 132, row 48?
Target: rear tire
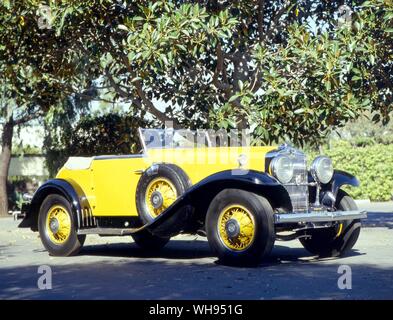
column 338, row 240
column 57, row 227
column 240, row 227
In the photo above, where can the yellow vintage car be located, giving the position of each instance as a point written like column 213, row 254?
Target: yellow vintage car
column 241, row 198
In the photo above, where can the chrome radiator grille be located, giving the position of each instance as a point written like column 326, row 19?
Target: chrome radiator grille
column 297, row 187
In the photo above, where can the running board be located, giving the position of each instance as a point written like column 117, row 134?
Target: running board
column 109, row 231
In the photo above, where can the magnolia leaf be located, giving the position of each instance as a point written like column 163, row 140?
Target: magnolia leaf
column 122, row 27
column 299, row 111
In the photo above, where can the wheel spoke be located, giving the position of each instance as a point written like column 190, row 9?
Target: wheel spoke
column 166, row 190
column 243, row 218
column 58, row 224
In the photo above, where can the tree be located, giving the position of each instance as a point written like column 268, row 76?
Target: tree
column 149, row 51
column 314, row 83
column 38, row 69
column 247, row 63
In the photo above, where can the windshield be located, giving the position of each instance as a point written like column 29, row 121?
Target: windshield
column 171, row 138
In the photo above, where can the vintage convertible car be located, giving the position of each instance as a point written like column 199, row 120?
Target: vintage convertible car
column 241, row 198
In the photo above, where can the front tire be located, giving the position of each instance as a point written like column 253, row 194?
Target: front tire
column 57, row 227
column 338, row 240
column 240, row 227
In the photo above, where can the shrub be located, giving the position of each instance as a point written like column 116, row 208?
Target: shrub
column 385, row 139
column 17, row 186
column 95, row 135
column 371, row 164
column 363, row 142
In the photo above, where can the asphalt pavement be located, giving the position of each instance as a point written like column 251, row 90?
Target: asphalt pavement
column 115, row 268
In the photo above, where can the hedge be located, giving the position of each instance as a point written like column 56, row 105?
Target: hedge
column 372, row 165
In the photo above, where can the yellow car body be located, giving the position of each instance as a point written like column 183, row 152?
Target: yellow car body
column 109, row 183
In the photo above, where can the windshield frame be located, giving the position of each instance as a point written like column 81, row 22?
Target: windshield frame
column 171, row 134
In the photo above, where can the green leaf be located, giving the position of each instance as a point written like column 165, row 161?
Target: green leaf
column 328, row 85
column 372, row 59
column 138, row 18
column 122, row 27
column 299, row 111
column 241, row 85
column 233, row 98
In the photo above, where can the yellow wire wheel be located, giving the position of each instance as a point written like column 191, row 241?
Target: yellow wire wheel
column 236, row 227
column 58, row 224
column 339, row 229
column 160, row 194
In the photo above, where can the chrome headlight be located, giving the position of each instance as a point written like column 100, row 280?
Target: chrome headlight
column 322, row 169
column 281, row 167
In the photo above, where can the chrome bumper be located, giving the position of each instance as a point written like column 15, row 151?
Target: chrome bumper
column 323, row 216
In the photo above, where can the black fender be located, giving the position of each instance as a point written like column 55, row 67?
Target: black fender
column 341, row 178
column 53, row 186
column 193, row 204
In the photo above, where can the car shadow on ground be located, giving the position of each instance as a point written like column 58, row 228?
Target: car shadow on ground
column 198, row 249
column 175, row 249
column 283, row 254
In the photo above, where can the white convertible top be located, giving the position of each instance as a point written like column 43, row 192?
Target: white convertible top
column 78, row 163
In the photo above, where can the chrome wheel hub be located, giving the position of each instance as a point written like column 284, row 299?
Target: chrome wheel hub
column 232, row 228
column 54, row 225
column 156, row 199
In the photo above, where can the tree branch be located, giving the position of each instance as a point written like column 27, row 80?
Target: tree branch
column 122, row 93
column 274, row 22
column 151, row 108
column 261, row 13
column 149, row 105
column 28, row 117
column 145, row 100
column 220, row 69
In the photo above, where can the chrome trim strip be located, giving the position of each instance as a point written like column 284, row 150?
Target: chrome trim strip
column 128, row 156
column 109, row 231
column 323, row 216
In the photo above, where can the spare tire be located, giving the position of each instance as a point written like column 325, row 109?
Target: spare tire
column 158, row 187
